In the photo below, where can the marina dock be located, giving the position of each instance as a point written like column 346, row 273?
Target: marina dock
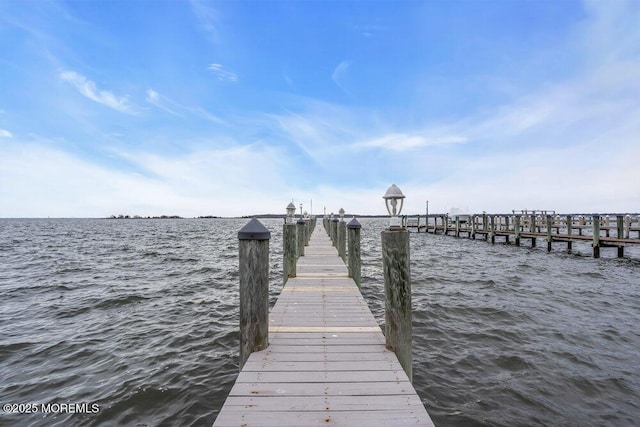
column 326, row 362
column 602, row 231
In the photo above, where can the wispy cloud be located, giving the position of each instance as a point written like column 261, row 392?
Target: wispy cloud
column 89, row 89
column 162, row 102
column 5, row 134
column 404, row 142
column 179, row 110
column 208, row 18
column 222, row 74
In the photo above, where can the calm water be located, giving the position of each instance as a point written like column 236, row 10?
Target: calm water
column 141, row 317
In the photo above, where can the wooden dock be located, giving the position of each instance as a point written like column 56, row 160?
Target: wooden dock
column 601, row 231
column 326, row 363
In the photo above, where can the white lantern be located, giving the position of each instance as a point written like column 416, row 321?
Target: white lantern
column 291, row 210
column 391, row 198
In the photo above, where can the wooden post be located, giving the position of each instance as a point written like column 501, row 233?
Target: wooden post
column 569, row 231
column 342, row 240
column 493, row 229
column 516, row 230
column 473, row 227
column 355, row 261
column 619, row 232
column 549, row 238
column 254, row 288
column 506, row 225
column 334, row 232
column 397, row 291
column 595, row 219
column 627, row 226
column 300, row 238
column 289, row 251
column 458, row 226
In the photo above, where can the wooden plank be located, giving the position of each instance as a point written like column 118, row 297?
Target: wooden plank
column 320, row 366
column 324, row 329
column 347, row 418
column 326, row 389
column 321, row 377
column 324, row 403
column 364, row 348
column 324, row 356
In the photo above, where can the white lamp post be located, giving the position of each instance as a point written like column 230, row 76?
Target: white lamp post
column 391, row 198
column 291, row 210
column 341, row 213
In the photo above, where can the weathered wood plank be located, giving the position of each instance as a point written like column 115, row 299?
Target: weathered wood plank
column 321, row 377
column 324, row 403
column 320, row 366
column 327, row 389
column 346, row 418
column 323, row 356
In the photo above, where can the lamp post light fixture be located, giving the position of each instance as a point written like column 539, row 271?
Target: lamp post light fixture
column 300, row 210
column 291, row 210
column 391, row 198
column 341, row 213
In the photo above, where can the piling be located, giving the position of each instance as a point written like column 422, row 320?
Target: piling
column 493, row 229
column 307, row 231
column 516, row 229
column 254, row 288
column 549, row 220
column 289, row 251
column 595, row 219
column 619, row 232
column 342, row 240
column 397, row 290
column 301, row 237
column 355, row 261
column 334, row 231
column 569, row 231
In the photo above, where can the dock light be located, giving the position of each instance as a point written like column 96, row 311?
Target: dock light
column 291, row 210
column 391, row 198
column 341, row 212
column 300, row 210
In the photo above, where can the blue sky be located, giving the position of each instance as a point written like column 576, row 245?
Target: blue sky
column 234, row 108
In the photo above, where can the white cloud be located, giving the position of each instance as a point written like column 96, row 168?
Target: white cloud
column 88, row 88
column 222, row 74
column 403, row 142
column 155, row 99
column 5, row 134
column 208, row 19
column 41, row 181
column 172, row 107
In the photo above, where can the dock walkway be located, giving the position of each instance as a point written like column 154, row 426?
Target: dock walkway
column 326, row 363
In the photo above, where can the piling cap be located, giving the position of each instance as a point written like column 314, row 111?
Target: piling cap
column 301, row 221
column 354, row 224
column 254, row 230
